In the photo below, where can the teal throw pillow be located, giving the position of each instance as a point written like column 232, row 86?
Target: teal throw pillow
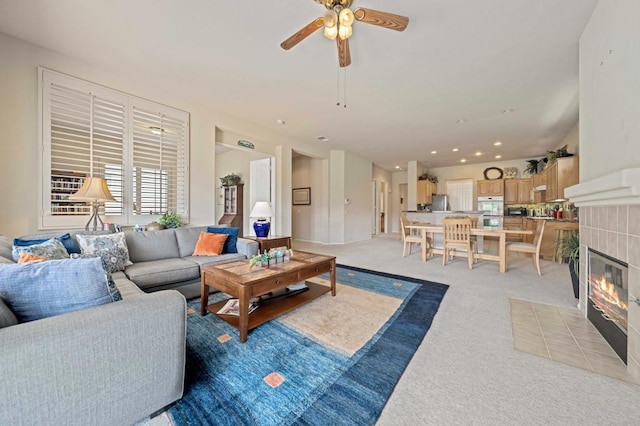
column 232, row 240
column 43, row 289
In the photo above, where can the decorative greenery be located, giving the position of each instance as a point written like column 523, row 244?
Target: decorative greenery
column 170, row 220
column 428, row 176
column 272, row 256
column 230, row 179
column 532, row 167
column 569, row 248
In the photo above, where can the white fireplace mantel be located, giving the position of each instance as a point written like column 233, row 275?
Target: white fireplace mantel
column 615, row 189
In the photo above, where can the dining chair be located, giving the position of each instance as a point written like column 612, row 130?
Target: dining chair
column 533, row 248
column 457, row 235
column 408, row 237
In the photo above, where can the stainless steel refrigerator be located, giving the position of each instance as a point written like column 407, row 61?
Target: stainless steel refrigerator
column 440, row 203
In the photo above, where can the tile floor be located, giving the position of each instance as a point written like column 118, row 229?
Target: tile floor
column 564, row 335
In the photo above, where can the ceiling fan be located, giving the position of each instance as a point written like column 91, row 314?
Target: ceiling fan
column 337, row 22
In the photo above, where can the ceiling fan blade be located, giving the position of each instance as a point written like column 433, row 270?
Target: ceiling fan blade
column 381, row 19
column 344, row 54
column 302, row 34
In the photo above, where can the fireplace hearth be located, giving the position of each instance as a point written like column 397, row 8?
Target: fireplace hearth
column 608, row 299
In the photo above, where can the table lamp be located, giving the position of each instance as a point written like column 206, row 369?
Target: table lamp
column 261, row 210
column 95, row 192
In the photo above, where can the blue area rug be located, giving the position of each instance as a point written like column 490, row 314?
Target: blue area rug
column 281, row 376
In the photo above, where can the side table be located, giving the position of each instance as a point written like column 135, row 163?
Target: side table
column 270, row 242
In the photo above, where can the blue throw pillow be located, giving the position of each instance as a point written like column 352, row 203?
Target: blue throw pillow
column 232, row 240
column 68, row 242
column 43, row 289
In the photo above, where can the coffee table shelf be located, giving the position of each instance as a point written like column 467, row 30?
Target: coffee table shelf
column 270, row 309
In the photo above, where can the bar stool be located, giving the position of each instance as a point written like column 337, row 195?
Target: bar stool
column 562, row 234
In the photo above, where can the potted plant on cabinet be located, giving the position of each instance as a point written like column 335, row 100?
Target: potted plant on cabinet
column 170, row 220
column 569, row 250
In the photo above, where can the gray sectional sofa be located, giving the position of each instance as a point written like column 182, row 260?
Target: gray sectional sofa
column 115, row 363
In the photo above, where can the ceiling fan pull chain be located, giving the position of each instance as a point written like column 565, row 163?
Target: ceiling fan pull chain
column 338, row 88
column 345, row 87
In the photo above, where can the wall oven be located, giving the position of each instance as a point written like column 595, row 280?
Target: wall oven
column 492, row 209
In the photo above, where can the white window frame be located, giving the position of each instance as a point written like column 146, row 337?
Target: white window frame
column 46, row 220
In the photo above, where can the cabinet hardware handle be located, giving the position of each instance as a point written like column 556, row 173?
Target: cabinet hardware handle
column 597, row 308
column 607, row 317
column 278, row 282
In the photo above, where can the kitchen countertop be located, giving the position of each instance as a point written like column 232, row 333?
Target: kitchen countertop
column 549, row 218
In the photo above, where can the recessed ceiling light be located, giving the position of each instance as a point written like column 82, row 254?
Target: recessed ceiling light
column 461, row 120
column 455, row 150
column 478, row 154
column 498, row 156
column 323, row 138
column 497, row 143
column 507, row 111
column 280, row 122
column 397, row 167
column 464, row 160
column 434, row 152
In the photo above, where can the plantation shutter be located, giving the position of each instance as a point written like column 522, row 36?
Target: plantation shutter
column 159, row 163
column 86, row 139
column 139, row 147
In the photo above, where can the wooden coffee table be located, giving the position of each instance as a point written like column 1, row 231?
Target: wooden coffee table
column 243, row 282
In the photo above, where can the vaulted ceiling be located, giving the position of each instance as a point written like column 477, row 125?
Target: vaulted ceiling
column 464, row 74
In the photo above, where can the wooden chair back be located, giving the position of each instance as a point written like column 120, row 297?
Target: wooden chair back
column 457, row 229
column 537, row 240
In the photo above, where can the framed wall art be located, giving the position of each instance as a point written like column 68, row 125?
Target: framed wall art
column 301, row 196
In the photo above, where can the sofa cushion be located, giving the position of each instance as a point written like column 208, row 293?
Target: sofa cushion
column 209, row 244
column 230, row 244
column 7, row 317
column 69, row 243
column 44, row 289
column 216, row 260
column 159, row 272
column 187, row 239
column 51, row 249
column 111, row 248
column 152, row 245
column 126, row 287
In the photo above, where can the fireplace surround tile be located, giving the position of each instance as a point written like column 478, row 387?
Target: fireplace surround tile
column 623, row 214
column 623, row 247
column 612, row 243
column 634, row 225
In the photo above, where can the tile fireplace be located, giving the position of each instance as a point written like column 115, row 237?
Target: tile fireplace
column 609, row 209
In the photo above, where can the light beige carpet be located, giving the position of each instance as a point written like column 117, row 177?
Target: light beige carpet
column 344, row 322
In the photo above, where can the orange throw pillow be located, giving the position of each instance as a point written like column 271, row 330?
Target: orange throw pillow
column 209, row 244
column 29, row 257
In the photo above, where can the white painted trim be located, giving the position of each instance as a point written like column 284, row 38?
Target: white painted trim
column 615, row 189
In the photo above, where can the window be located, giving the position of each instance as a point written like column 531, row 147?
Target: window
column 139, row 147
column 460, row 194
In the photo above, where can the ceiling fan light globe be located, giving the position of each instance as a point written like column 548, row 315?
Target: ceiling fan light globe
column 330, row 19
column 331, row 32
column 344, row 32
column 346, row 17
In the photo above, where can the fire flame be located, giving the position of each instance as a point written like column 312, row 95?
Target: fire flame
column 610, row 292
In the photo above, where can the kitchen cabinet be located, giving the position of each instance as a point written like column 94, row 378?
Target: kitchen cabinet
column 513, row 223
column 425, row 191
column 517, row 191
column 560, row 174
column 538, row 179
column 488, row 188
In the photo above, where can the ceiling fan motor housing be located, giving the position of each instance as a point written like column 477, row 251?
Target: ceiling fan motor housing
column 330, row 4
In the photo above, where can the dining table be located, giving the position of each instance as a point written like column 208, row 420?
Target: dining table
column 500, row 233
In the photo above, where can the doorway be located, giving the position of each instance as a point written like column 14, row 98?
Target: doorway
column 379, row 202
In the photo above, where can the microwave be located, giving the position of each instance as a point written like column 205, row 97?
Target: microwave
column 516, row 211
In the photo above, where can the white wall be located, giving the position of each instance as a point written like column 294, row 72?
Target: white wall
column 571, row 140
column 357, row 188
column 19, row 142
column 609, row 100
column 236, row 161
column 310, row 223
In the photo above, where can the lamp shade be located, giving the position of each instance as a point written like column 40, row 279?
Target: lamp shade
column 93, row 189
column 262, row 210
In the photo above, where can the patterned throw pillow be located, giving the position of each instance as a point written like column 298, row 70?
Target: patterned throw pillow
column 51, row 249
column 68, row 242
column 43, row 289
column 111, row 248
